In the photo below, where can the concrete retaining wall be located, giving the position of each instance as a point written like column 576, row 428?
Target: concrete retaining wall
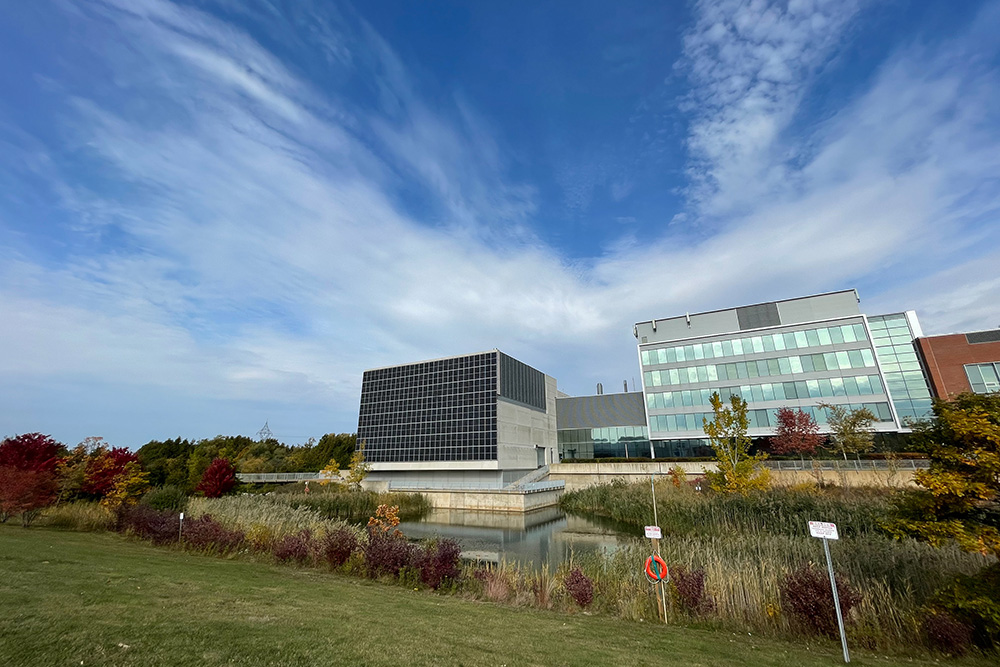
column 582, row 475
column 492, row 501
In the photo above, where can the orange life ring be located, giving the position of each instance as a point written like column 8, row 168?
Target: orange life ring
column 656, row 569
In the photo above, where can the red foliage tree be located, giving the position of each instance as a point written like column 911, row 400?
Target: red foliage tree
column 25, row 492
column 104, row 468
column 797, row 433
column 218, row 480
column 31, row 451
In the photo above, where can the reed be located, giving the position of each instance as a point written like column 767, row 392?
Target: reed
column 82, row 515
column 356, row 506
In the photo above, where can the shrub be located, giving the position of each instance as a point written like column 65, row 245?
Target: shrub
column 439, row 562
column 579, row 587
column 387, row 553
column 208, row 534
column 975, row 601
column 945, row 633
column 337, row 546
column 166, row 498
column 806, row 596
column 157, row 526
column 688, row 589
column 297, row 548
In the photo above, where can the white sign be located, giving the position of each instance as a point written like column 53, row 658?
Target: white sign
column 823, row 530
column 182, row 516
column 653, row 532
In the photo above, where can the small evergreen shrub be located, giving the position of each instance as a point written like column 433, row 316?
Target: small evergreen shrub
column 806, row 596
column 337, row 546
column 579, row 587
column 688, row 588
column 207, row 534
column 943, row 632
column 440, row 562
column 295, row 548
column 166, row 498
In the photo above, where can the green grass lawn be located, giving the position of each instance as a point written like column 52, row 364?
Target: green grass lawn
column 99, row 599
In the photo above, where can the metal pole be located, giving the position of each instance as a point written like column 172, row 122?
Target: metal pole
column 836, row 599
column 656, row 545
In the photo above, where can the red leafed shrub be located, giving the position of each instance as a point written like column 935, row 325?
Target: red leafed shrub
column 387, row 553
column 579, row 587
column 688, row 587
column 295, row 548
column 439, row 562
column 336, row 547
column 207, row 534
column 945, row 633
column 218, row 480
column 157, row 526
column 104, row 469
column 25, row 492
column 31, row 451
column 806, row 596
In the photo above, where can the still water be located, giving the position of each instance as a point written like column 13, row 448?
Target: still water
column 540, row 539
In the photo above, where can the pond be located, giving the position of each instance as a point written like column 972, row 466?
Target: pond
column 541, row 539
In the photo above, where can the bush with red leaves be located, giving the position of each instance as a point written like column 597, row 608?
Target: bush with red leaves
column 297, row 548
column 31, row 451
column 25, row 492
column 688, row 587
column 157, row 526
column 440, row 562
column 336, row 547
column 580, row 587
column 387, row 553
column 104, row 469
column 945, row 633
column 207, row 534
column 218, row 480
column 806, row 596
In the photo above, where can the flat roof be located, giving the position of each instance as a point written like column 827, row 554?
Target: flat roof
column 749, row 305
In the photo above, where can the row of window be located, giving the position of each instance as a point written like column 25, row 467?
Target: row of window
column 443, row 453
column 808, row 363
column 757, row 418
column 860, row 385
column 793, row 340
column 604, row 434
column 984, row 378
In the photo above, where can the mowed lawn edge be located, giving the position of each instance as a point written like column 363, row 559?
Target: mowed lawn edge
column 100, row 599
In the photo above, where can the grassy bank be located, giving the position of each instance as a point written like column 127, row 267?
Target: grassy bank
column 100, row 599
column 747, row 546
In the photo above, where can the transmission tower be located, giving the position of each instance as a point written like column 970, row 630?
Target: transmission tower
column 264, row 433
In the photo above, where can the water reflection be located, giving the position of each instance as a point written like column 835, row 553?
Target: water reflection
column 543, row 538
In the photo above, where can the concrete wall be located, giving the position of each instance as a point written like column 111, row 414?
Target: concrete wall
column 487, row 501
column 520, row 430
column 582, row 475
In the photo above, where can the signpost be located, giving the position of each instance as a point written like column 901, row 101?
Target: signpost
column 654, row 534
column 826, row 532
column 180, row 529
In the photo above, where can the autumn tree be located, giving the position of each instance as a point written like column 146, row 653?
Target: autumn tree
column 102, row 469
column 851, row 430
column 28, row 466
column 219, row 479
column 330, row 473
column 127, row 488
column 959, row 494
column 797, row 433
column 737, row 469
column 359, row 467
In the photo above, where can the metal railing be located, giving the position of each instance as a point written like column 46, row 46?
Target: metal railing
column 531, row 487
column 262, row 477
column 849, row 465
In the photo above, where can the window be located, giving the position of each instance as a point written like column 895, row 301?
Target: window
column 984, row 378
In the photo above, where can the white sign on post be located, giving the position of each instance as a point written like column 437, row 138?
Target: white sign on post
column 653, row 532
column 823, row 530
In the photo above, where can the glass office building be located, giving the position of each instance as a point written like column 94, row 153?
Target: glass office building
column 796, row 353
column 602, row 426
column 893, row 336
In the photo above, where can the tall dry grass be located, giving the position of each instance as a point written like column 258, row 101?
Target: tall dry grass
column 83, row 515
column 356, row 506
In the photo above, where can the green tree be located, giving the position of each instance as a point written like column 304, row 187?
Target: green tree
column 851, row 429
column 166, row 461
column 959, row 494
column 739, row 471
column 358, row 468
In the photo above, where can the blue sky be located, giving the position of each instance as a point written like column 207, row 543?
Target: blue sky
column 217, row 213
